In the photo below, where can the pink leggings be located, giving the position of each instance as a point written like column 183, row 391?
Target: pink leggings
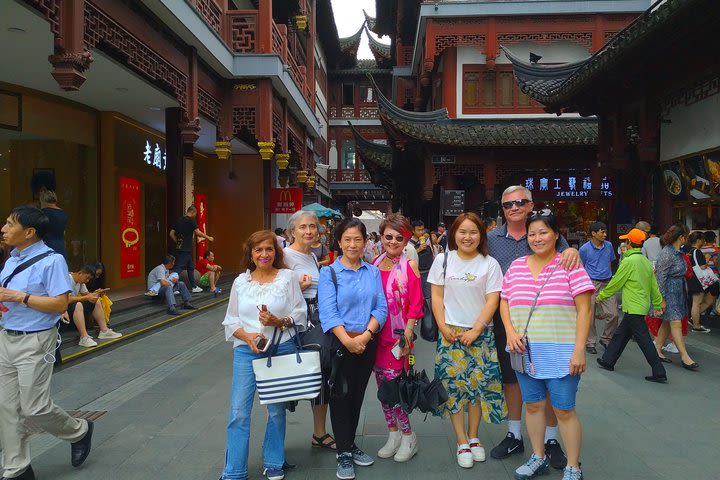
column 394, row 416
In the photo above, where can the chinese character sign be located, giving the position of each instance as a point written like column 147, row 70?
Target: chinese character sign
column 201, row 205
column 129, row 227
column 285, row 200
column 563, row 186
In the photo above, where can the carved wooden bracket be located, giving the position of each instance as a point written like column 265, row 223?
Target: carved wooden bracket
column 190, row 130
column 68, row 67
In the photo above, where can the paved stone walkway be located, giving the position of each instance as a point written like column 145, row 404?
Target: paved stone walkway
column 166, row 397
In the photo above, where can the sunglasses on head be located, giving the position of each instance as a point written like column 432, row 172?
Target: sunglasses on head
column 398, row 238
column 545, row 212
column 518, row 203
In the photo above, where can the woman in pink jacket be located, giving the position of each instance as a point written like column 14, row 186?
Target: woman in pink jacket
column 403, row 291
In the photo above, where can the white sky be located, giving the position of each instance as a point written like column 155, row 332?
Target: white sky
column 348, row 18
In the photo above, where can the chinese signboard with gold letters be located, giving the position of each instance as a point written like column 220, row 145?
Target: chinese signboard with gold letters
column 129, row 227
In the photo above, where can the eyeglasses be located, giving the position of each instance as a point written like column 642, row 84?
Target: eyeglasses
column 518, row 203
column 398, row 238
column 545, row 212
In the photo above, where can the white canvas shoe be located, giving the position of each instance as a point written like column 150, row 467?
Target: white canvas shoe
column 391, row 446
column 408, row 448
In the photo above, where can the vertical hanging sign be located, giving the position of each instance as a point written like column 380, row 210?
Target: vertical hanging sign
column 201, row 205
column 129, row 227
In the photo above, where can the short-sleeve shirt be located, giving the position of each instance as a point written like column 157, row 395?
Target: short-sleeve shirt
column 505, row 248
column 46, row 278
column 302, row 264
column 202, row 266
column 553, row 326
column 184, row 230
column 77, row 288
column 466, row 283
column 597, row 260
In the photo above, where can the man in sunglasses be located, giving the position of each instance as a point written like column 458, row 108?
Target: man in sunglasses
column 507, row 243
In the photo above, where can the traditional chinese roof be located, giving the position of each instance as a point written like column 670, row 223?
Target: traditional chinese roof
column 381, row 51
column 559, row 87
column 437, row 128
column 371, row 22
column 377, row 159
column 349, row 45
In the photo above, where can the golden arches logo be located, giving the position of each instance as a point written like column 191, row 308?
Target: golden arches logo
column 286, row 196
column 129, row 242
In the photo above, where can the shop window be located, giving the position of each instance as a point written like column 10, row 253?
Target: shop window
column 348, row 94
column 348, row 155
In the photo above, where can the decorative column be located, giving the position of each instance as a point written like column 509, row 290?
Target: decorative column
column 70, row 58
column 175, row 173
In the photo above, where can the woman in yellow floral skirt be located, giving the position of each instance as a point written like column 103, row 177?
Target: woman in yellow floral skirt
column 465, row 294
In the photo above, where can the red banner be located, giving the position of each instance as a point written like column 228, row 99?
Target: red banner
column 201, row 206
column 129, row 227
column 285, row 200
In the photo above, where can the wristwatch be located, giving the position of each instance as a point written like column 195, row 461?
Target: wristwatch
column 26, row 300
column 372, row 334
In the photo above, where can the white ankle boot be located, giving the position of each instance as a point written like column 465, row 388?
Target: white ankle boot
column 391, row 446
column 408, row 448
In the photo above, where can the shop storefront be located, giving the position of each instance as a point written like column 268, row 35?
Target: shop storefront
column 133, row 191
column 577, row 200
column 50, row 143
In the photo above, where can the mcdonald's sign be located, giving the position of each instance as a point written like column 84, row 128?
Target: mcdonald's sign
column 285, row 200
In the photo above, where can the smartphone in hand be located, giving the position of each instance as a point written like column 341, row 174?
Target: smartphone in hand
column 262, row 343
column 396, row 351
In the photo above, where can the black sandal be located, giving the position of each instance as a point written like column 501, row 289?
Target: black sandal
column 665, row 360
column 319, row 442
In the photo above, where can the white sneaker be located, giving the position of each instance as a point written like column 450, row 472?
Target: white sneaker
column 391, row 446
column 478, row 451
column 197, row 289
column 87, row 342
column 176, row 292
column 670, row 348
column 109, row 333
column 464, row 456
column 408, row 448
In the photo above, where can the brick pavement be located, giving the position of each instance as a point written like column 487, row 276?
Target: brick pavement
column 166, row 397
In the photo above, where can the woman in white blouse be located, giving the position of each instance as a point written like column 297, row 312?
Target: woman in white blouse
column 264, row 301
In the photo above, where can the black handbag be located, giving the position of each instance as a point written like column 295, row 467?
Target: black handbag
column 428, row 325
column 326, row 343
column 389, row 392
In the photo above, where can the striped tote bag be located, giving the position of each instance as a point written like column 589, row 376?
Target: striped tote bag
column 289, row 377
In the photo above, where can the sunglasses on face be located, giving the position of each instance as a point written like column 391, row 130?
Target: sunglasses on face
column 398, row 238
column 518, row 203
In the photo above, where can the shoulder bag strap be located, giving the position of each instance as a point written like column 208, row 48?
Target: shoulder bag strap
column 534, row 304
column 25, row 265
column 445, row 258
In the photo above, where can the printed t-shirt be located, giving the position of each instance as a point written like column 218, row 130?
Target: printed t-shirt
column 184, row 230
column 466, row 283
column 552, row 328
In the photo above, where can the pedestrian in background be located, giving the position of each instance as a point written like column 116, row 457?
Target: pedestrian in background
column 546, row 312
column 701, row 298
column 670, row 271
column 352, row 307
column 265, row 300
column 597, row 256
column 183, row 234
column 34, row 291
column 55, row 235
column 640, row 294
column 403, row 293
column 651, row 247
column 85, row 306
column 302, row 231
column 210, row 272
column 421, row 243
column 466, row 284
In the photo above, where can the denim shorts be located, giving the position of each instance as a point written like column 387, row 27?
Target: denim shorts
column 562, row 390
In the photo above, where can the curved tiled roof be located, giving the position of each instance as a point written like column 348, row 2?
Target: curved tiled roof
column 436, row 127
column 377, row 159
column 351, row 43
column 556, row 86
column 381, row 51
column 371, row 22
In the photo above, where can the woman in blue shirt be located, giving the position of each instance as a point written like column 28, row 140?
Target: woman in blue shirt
column 354, row 310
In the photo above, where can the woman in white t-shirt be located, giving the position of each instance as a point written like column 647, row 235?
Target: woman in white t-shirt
column 465, row 294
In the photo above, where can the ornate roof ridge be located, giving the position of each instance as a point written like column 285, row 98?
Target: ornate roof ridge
column 386, row 106
column 371, row 22
column 378, row 48
column 353, row 41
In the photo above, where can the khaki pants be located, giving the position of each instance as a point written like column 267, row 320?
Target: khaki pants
column 606, row 311
column 25, row 393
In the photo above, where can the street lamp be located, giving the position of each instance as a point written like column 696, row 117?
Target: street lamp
column 282, row 160
column 222, row 150
column 311, row 181
column 302, row 176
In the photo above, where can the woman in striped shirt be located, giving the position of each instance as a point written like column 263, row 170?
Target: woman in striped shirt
column 557, row 302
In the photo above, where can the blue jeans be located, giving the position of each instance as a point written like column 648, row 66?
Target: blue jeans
column 238, row 429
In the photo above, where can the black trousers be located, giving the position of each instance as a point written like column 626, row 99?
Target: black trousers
column 183, row 261
column 633, row 325
column 345, row 412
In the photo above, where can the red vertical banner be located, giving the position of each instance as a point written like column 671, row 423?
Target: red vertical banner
column 129, row 227
column 285, row 200
column 201, row 206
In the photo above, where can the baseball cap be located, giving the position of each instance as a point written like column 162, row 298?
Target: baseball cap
column 635, row 236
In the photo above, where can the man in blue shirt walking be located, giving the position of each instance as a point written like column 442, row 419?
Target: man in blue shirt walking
column 596, row 255
column 34, row 287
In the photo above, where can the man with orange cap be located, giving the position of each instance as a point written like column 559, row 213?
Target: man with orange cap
column 636, row 279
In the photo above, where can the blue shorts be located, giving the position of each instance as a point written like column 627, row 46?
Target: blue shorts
column 562, row 390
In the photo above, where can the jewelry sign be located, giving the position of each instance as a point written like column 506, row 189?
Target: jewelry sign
column 129, row 227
